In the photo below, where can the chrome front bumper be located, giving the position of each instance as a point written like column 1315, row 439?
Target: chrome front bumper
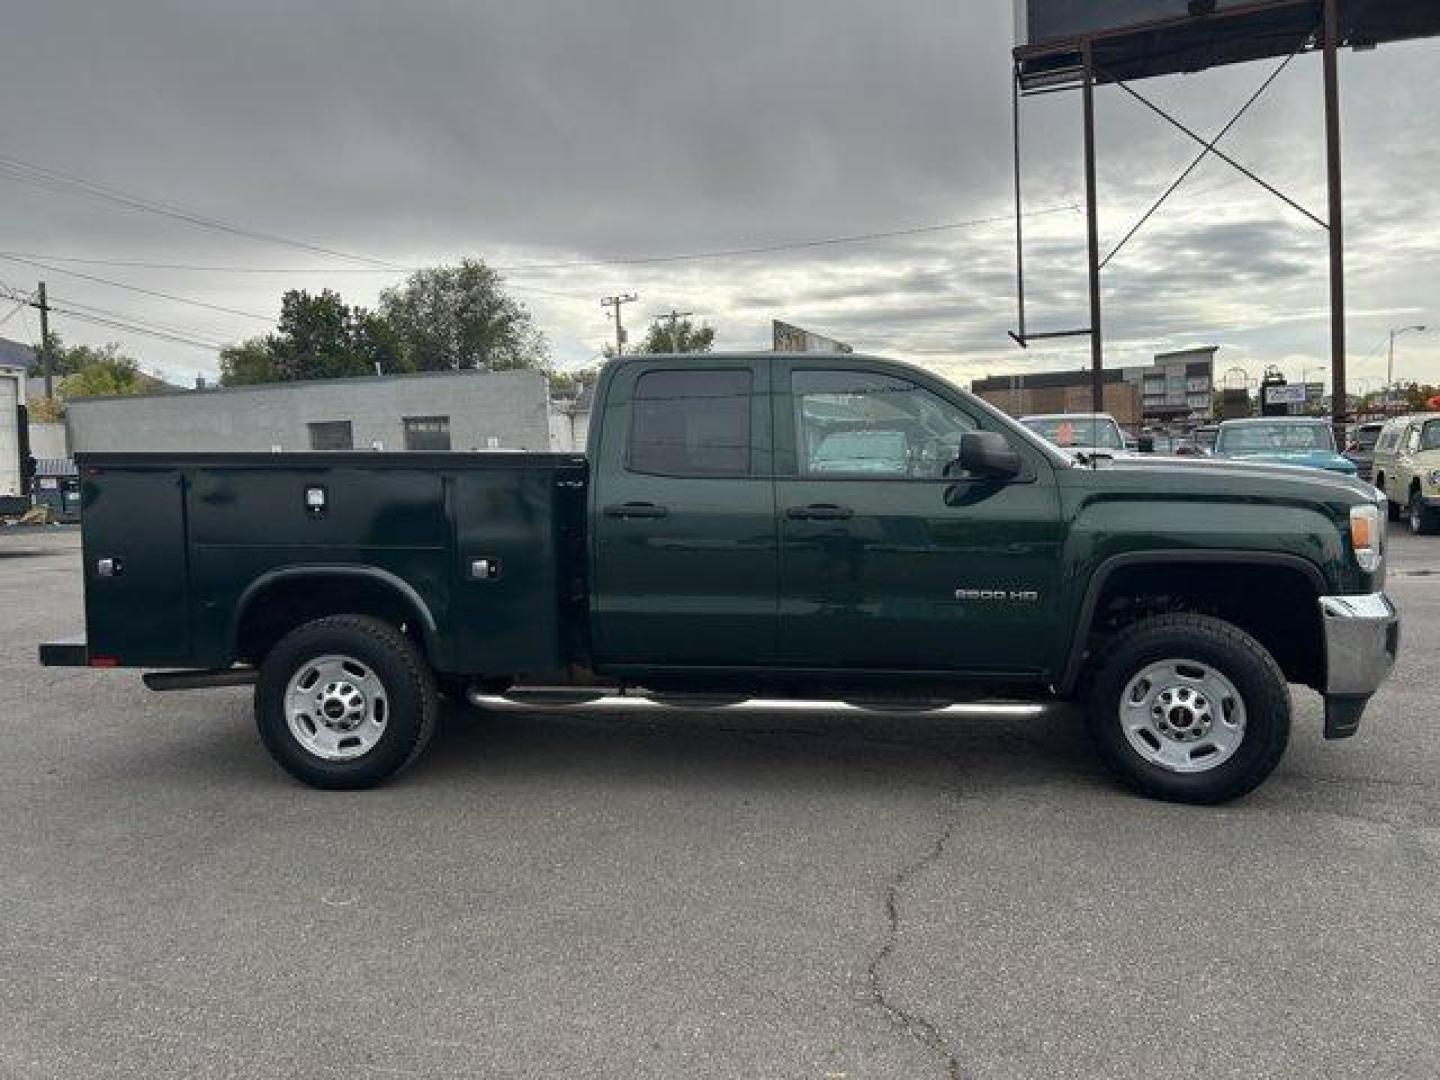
column 1362, row 636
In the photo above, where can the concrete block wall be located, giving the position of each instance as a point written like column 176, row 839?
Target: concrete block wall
column 507, row 410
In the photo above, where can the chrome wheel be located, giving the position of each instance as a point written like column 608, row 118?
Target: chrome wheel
column 336, row 707
column 1183, row 715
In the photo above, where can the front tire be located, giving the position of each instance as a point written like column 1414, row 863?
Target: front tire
column 1188, row 708
column 1422, row 519
column 345, row 702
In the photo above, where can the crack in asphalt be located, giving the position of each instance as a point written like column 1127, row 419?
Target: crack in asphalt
column 917, row 1026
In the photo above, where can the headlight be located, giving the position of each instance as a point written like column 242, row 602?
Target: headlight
column 1367, row 536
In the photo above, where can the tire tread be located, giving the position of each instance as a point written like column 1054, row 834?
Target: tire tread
column 1274, row 700
column 417, row 672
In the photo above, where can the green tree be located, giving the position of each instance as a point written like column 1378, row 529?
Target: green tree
column 317, row 337
column 455, row 317
column 248, row 362
column 1416, row 395
column 570, row 382
column 106, row 373
column 683, row 337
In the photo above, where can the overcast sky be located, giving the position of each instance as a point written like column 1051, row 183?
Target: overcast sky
column 569, row 131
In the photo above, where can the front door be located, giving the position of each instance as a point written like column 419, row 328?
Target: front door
column 889, row 560
column 683, row 512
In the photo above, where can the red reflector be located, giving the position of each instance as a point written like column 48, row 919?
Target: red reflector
column 104, row 661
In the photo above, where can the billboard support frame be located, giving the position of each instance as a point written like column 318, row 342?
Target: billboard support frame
column 1326, row 38
column 1336, row 199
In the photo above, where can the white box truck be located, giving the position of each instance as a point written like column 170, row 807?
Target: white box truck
column 14, row 440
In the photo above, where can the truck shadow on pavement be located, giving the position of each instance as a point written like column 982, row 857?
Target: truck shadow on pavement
column 676, row 747
column 711, row 747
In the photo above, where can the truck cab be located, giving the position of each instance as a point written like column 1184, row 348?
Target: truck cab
column 809, row 514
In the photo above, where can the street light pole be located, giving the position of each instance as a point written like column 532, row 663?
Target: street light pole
column 1390, row 365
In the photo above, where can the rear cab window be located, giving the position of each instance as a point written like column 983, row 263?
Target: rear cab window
column 691, row 423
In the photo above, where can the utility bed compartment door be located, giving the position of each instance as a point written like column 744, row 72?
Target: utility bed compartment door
column 508, row 597
column 136, row 570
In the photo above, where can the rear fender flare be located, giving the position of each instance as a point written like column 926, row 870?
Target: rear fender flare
column 401, row 588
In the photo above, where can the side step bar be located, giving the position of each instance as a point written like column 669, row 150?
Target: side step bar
column 199, row 680
column 541, row 701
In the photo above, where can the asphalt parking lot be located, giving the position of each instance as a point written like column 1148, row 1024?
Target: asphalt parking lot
column 689, row 896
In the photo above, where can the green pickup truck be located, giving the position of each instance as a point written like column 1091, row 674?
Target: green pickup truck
column 748, row 526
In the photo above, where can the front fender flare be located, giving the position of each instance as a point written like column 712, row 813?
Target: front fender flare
column 1079, row 640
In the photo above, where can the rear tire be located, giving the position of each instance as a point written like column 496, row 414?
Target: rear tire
column 345, row 702
column 1188, row 708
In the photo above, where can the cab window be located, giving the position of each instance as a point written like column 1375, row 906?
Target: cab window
column 865, row 424
column 1430, row 435
column 691, row 423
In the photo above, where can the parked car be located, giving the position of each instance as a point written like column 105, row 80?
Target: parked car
column 753, row 525
column 1204, row 437
column 1361, row 448
column 1407, row 470
column 1092, row 434
column 1283, row 440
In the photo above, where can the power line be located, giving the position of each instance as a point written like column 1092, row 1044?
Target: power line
column 55, row 180
column 137, row 289
column 116, row 324
column 91, row 309
column 30, row 258
column 768, row 249
column 145, row 265
column 799, row 245
column 19, row 307
column 114, row 319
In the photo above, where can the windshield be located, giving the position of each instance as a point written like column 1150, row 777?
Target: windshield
column 1275, row 438
column 1366, row 437
column 1430, row 435
column 1087, row 432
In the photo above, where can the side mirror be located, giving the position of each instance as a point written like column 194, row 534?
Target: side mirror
column 988, row 453
column 1147, row 444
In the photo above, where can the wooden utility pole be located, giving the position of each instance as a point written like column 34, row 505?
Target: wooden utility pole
column 45, row 365
column 616, row 303
column 675, row 317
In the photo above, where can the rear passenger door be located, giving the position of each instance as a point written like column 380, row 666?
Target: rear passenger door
column 683, row 538
column 1386, row 451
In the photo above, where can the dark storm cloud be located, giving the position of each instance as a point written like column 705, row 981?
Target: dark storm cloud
column 621, row 126
column 549, row 130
